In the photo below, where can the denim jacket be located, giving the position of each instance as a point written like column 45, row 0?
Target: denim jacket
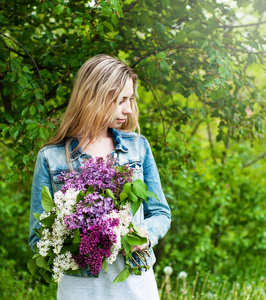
column 131, row 149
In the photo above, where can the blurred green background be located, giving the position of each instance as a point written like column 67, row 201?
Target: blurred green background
column 202, row 88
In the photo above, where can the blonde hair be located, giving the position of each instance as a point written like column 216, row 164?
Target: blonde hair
column 89, row 110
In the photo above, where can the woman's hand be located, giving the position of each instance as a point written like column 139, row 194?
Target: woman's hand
column 144, row 246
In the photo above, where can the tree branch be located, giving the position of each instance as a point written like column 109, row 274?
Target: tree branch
column 195, row 129
column 245, row 51
column 131, row 5
column 61, row 106
column 15, row 51
column 238, row 26
column 226, row 145
column 1, row 33
column 156, row 99
column 262, row 155
column 10, row 147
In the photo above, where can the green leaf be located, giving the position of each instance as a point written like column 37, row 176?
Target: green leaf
column 14, row 131
column 194, row 34
column 39, row 106
column 136, row 270
column 115, row 5
column 122, row 276
column 33, row 268
column 152, row 195
column 104, row 264
column 47, row 201
column 135, row 206
column 59, row 90
column 38, row 95
column 134, row 238
column 106, row 11
column 90, row 190
column 23, row 81
column 139, row 188
column 80, row 196
column 49, row 221
column 108, row 25
column 59, row 9
column 32, row 126
column 78, row 21
column 161, row 55
column 42, row 132
column 159, row 27
column 46, row 276
column 164, row 66
column 76, row 238
column 26, row 69
column 25, row 111
column 36, row 216
column 123, row 196
column 126, row 246
column 41, row 262
column 209, row 83
column 128, row 191
column 110, row 194
column 32, row 110
column 71, row 272
column 9, row 118
column 114, row 19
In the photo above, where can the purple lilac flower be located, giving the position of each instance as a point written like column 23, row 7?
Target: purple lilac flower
column 100, row 175
column 94, row 245
column 90, row 215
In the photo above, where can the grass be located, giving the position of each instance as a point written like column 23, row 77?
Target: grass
column 210, row 287
column 21, row 285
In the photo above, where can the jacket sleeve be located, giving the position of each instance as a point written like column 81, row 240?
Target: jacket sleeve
column 41, row 178
column 157, row 216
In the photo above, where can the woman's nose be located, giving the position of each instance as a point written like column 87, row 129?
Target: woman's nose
column 127, row 109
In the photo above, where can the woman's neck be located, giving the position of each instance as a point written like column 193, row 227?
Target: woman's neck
column 102, row 146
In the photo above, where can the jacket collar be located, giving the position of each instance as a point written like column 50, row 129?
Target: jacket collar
column 118, row 140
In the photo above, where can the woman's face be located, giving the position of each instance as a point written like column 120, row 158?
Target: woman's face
column 122, row 106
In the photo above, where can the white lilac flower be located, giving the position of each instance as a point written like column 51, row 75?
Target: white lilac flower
column 44, row 243
column 61, row 263
column 65, row 202
column 45, row 214
column 122, row 229
column 59, row 234
column 182, row 275
column 168, row 270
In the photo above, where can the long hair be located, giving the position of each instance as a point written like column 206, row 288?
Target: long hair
column 100, row 79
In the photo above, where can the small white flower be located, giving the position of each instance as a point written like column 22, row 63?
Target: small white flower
column 63, row 262
column 168, row 270
column 182, row 275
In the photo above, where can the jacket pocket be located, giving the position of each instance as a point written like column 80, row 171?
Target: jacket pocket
column 137, row 168
column 57, row 183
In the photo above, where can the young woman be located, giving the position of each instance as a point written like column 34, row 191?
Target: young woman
column 100, row 119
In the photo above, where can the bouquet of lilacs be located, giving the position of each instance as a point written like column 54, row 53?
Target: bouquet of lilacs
column 88, row 223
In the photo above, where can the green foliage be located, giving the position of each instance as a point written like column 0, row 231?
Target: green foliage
column 21, row 285
column 202, row 103
column 210, row 287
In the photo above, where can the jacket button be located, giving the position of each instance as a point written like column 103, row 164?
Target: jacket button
column 115, row 155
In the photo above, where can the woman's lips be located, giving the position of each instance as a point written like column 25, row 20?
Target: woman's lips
column 121, row 120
